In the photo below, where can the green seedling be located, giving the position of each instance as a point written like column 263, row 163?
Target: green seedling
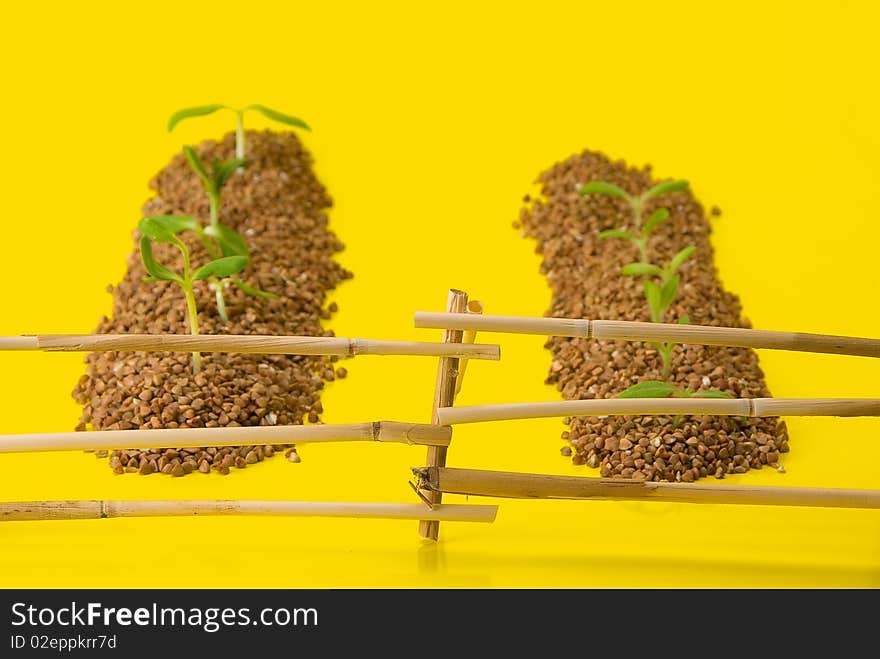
column 203, row 110
column 640, row 232
column 155, row 230
column 219, row 241
column 214, row 180
column 660, row 296
column 230, row 243
column 660, row 389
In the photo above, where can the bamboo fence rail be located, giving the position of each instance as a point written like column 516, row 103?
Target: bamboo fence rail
column 67, row 510
column 653, row 332
column 748, row 407
column 244, row 343
column 476, row 482
column 379, row 431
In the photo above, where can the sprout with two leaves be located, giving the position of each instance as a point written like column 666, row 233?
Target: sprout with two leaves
column 660, row 389
column 202, row 110
column 639, row 233
column 157, row 229
column 660, row 296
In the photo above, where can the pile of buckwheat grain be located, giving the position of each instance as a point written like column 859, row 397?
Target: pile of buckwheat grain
column 584, row 274
column 279, row 206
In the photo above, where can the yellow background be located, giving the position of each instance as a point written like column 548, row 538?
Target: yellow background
column 430, row 123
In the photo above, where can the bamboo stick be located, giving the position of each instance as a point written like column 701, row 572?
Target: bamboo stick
column 444, row 396
column 65, row 510
column 655, row 332
column 380, row 431
column 538, row 486
column 650, row 406
column 469, row 337
column 243, row 343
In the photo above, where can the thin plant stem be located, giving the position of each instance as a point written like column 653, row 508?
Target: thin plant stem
column 191, row 310
column 214, row 204
column 666, row 355
column 193, row 315
column 218, row 295
column 643, row 249
column 239, row 134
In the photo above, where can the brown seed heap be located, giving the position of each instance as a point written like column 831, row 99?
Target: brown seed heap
column 279, row 207
column 584, row 273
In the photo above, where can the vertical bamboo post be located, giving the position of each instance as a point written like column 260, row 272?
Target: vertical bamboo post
column 444, row 395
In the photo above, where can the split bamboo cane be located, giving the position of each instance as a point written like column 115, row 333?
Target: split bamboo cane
column 476, row 482
column 444, row 396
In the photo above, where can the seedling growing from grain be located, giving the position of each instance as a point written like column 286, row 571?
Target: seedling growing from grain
column 230, row 243
column 659, row 296
column 640, row 233
column 214, row 180
column 154, row 229
column 660, row 389
column 203, row 110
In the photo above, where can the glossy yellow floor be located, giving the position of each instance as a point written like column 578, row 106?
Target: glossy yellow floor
column 429, row 126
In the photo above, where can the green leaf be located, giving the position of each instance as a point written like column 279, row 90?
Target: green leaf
column 274, row 115
column 669, row 291
column 681, row 257
column 648, row 389
column 250, row 290
column 228, row 265
column 665, row 188
column 230, row 241
column 711, row 393
column 195, row 162
column 177, row 223
column 152, row 228
column 616, row 233
column 641, row 269
column 601, row 187
column 187, row 113
column 157, row 270
column 684, row 320
column 657, row 218
column 223, row 170
column 652, row 295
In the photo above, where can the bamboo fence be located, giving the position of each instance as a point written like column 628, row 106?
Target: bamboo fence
column 460, row 323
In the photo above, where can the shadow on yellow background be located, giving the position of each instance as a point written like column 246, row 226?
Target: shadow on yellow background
column 429, row 126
